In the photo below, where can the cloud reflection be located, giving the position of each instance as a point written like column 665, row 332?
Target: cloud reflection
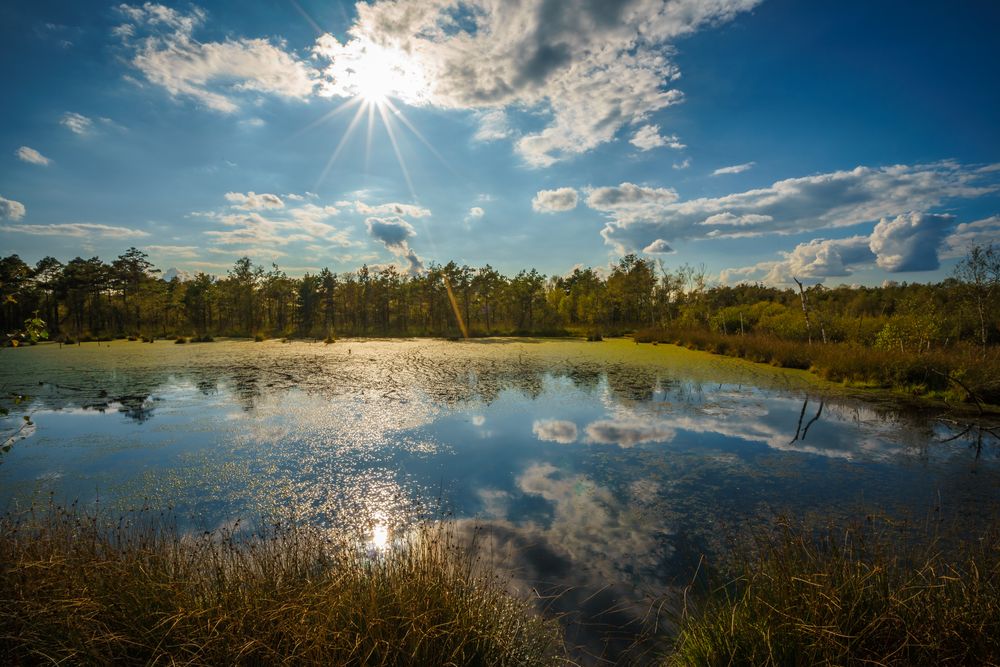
column 555, row 430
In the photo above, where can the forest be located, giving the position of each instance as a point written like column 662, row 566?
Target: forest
column 90, row 299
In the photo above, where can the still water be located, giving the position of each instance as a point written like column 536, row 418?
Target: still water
column 598, row 470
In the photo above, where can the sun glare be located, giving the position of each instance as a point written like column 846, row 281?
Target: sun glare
column 376, row 76
column 374, row 73
column 373, row 78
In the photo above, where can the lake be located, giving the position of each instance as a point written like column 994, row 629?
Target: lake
column 599, row 471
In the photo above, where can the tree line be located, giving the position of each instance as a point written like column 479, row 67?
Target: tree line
column 90, row 298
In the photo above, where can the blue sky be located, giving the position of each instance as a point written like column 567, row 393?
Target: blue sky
column 846, row 143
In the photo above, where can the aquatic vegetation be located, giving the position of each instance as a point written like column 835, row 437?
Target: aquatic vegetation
column 86, row 589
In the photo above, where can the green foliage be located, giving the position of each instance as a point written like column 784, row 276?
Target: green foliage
column 137, row 591
column 87, row 299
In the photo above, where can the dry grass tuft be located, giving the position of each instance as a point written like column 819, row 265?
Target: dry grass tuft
column 854, row 597
column 76, row 589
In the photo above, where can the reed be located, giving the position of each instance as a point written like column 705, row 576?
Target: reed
column 795, row 596
column 76, row 589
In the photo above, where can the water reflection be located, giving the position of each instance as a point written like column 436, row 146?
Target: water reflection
column 600, row 473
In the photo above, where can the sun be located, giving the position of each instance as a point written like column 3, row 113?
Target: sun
column 373, row 78
column 378, row 74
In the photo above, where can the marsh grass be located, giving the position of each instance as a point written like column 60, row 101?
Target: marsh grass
column 76, row 589
column 797, row 596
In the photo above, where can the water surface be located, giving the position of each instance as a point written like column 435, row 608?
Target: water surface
column 598, row 470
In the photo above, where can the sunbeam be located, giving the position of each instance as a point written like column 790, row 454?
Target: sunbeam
column 412, row 128
column 395, row 147
column 343, row 141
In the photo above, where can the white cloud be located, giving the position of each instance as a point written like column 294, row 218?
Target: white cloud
column 658, row 247
column 816, row 259
column 392, row 208
column 76, row 123
column 252, row 201
column 554, row 201
column 910, row 242
column 76, row 230
column 590, row 67
column 727, row 219
column 181, row 251
column 980, row 232
column 476, row 212
column 265, row 222
column 217, row 74
column 639, row 216
column 262, row 251
column 493, row 125
column 26, row 154
column 629, row 201
column 648, row 137
column 11, row 210
column 683, row 164
column 734, row 169
column 555, row 430
column 308, row 214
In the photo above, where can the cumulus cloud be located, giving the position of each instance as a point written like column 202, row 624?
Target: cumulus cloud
column 734, row 169
column 26, row 154
column 555, row 430
column 648, row 137
column 910, row 242
column 252, row 201
column 11, row 210
column 76, row 122
column 638, row 216
column 592, row 67
column 829, row 258
column 554, row 201
column 816, row 259
column 392, row 232
column 76, row 230
column 215, row 74
column 658, row 247
column 629, row 201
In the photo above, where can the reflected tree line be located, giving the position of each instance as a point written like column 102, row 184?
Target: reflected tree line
column 477, row 380
column 91, row 298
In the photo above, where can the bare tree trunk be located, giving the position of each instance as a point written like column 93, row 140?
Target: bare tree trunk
column 805, row 310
